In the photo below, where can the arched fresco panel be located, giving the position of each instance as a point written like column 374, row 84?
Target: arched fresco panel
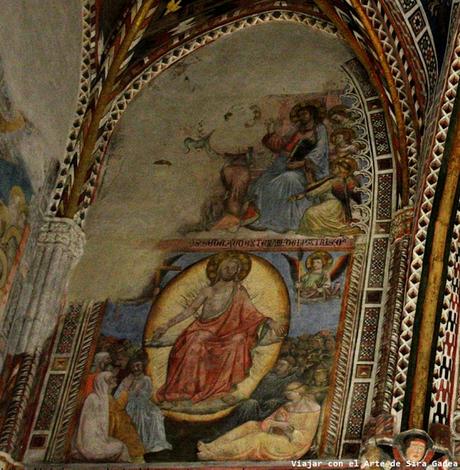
column 237, row 258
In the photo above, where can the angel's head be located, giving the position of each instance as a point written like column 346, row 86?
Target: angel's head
column 415, row 448
column 339, row 115
column 318, row 261
column 343, row 135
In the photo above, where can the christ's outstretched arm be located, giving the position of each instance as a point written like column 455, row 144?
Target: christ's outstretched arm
column 186, row 313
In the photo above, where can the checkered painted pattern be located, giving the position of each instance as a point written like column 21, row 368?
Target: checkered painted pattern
column 445, row 400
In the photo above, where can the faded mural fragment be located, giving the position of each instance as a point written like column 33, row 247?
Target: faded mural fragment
column 225, row 252
column 235, row 339
column 298, row 179
column 15, row 190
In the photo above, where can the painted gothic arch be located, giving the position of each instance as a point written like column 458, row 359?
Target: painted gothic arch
column 106, row 90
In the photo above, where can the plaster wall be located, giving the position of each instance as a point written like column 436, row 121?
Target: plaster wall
column 141, row 203
column 40, row 49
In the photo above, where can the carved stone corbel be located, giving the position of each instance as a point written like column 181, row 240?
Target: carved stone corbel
column 410, row 449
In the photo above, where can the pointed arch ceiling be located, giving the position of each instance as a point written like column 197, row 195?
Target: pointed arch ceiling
column 123, row 40
column 178, row 107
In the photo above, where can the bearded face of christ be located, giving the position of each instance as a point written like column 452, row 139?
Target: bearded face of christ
column 229, row 269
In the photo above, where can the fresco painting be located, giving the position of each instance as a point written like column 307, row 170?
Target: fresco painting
column 298, row 179
column 230, row 320
column 14, row 201
column 234, row 355
column 222, row 344
column 15, row 196
column 13, row 211
column 15, row 191
column 218, row 258
column 231, row 357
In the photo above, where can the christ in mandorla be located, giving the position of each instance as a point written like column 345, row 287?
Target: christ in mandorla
column 213, row 354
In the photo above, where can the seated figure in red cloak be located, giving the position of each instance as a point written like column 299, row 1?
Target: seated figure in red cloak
column 213, row 354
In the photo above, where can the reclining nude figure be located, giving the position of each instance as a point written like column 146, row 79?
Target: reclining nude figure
column 286, row 434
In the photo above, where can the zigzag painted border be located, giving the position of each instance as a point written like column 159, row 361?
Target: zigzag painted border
column 78, row 362
column 121, row 102
column 445, row 96
column 87, row 75
column 427, row 52
column 446, row 370
column 396, row 63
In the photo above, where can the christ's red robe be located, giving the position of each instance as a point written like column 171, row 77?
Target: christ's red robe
column 211, row 356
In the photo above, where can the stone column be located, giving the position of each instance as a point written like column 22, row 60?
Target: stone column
column 381, row 420
column 34, row 306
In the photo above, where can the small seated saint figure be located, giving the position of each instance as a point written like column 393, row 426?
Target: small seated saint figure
column 316, row 283
column 332, row 216
column 286, row 434
column 136, row 392
column 213, row 354
column 105, row 432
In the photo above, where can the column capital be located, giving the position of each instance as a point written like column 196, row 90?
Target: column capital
column 64, row 232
